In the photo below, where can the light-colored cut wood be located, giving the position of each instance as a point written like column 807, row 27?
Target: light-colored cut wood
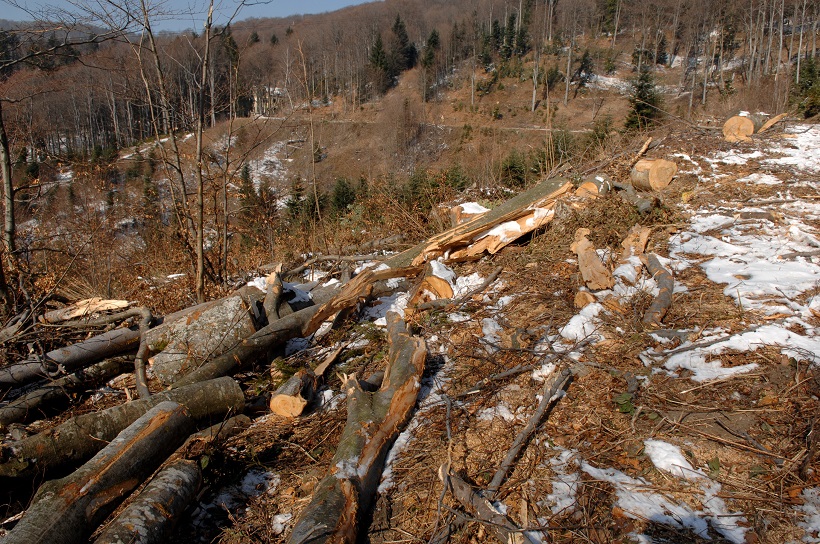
column 83, row 308
column 652, row 174
column 595, row 274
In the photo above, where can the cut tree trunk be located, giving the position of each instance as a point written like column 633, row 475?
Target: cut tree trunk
column 595, row 274
column 67, row 511
column 71, row 358
column 666, row 285
column 183, row 345
column 374, row 420
column 260, row 343
column 83, row 308
column 151, row 516
column 26, row 407
column 740, row 128
column 79, row 438
column 291, row 398
column 771, row 122
column 652, row 174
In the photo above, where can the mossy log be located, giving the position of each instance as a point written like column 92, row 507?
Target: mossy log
column 66, row 511
column 78, row 439
column 374, row 420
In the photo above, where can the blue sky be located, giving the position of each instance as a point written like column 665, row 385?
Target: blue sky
column 195, row 9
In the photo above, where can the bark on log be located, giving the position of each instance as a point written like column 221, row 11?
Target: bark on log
column 666, row 285
column 652, row 174
column 67, row 511
column 24, row 408
column 739, row 128
column 273, row 295
column 595, row 274
column 71, row 358
column 184, row 344
column 79, row 438
column 499, row 525
column 258, row 344
column 151, row 516
column 374, row 420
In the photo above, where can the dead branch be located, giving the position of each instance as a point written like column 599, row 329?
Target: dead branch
column 374, row 420
column 71, row 358
column 325, row 258
column 551, row 394
column 79, row 438
column 666, row 285
column 68, row 510
column 25, row 406
column 499, row 525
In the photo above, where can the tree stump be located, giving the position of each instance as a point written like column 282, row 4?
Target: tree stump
column 652, row 174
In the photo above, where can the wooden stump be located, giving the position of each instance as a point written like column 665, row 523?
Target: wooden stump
column 740, row 127
column 652, row 174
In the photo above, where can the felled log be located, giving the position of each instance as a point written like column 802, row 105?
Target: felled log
column 83, row 308
column 666, row 285
column 182, row 345
column 66, row 511
column 150, row 517
column 26, row 406
column 356, row 290
column 71, row 358
column 461, row 213
column 430, row 288
column 374, row 420
column 497, row 524
column 652, row 174
column 595, row 274
column 79, row 438
column 594, row 186
column 739, row 128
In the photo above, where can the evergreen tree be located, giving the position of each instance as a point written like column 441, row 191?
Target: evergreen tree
column 343, row 196
column 645, row 101
column 508, row 46
column 254, row 37
column 274, row 39
column 496, row 40
column 403, row 54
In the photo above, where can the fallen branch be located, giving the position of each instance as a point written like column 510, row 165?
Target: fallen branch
column 150, row 517
column 324, row 258
column 83, row 308
column 359, row 288
column 292, row 397
column 79, row 438
column 374, row 420
column 68, row 510
column 71, row 358
column 25, row 407
column 499, row 525
column 666, row 285
column 551, row 395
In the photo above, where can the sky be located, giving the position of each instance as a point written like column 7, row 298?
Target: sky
column 194, row 10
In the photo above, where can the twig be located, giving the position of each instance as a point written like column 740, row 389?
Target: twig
column 750, row 440
column 550, row 396
column 320, row 258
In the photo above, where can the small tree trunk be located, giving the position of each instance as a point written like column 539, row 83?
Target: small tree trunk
column 67, row 511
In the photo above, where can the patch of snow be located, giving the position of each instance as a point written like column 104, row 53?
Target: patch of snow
column 801, row 152
column 394, row 303
column 760, row 179
column 582, row 325
column 811, row 514
column 458, row 317
column 670, row 458
column 473, row 208
column 280, row 523
column 499, row 410
column 490, row 329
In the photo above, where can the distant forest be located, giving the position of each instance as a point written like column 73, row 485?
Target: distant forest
column 76, row 84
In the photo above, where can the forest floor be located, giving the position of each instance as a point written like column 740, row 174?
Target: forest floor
column 703, row 430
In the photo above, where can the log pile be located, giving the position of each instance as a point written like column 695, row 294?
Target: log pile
column 99, row 458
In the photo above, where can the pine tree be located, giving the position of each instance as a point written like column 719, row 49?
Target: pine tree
column 645, row 101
